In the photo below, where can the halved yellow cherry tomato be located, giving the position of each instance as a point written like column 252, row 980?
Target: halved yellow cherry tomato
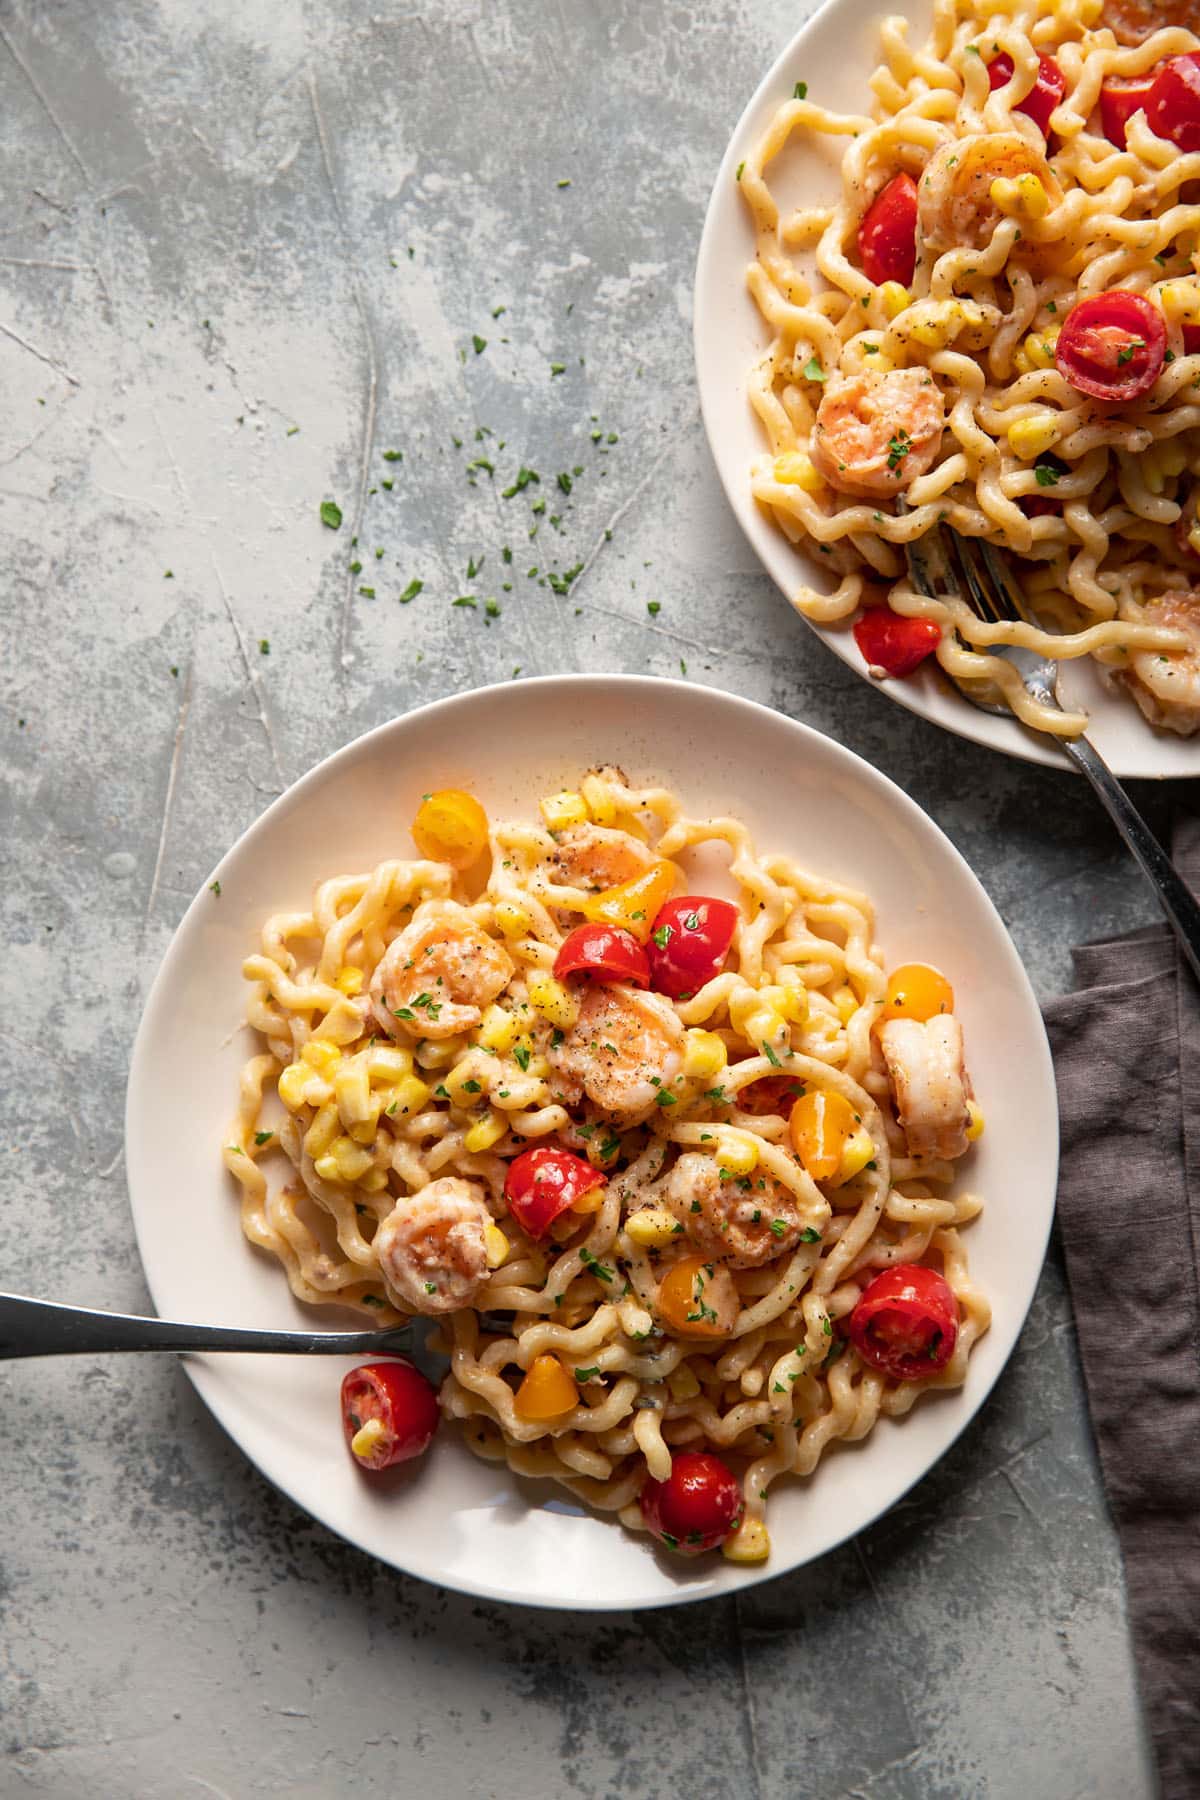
column 820, row 1123
column 451, row 827
column 683, row 1302
column 634, row 905
column 547, row 1391
column 917, row 991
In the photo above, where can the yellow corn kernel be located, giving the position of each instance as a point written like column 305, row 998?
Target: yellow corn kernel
column 1091, row 12
column 408, row 1096
column 496, row 1246
column 486, row 1132
column 652, row 1227
column 322, row 1131
column 537, row 1068
column 456, row 1080
column 293, row 1084
column 343, row 1161
column 1039, row 348
column 704, row 1055
column 936, row 323
column 1024, row 196
column 895, row 297
column 367, row 1437
column 350, row 981
column 321, row 1056
column 857, row 1152
column 374, row 1181
column 352, row 1090
column 552, row 1000
column 511, row 918
column 561, row 811
column 1181, row 302
column 682, row 1383
column 795, row 469
column 600, row 803
column 341, row 1025
column 846, row 1002
column 498, row 1029
column 974, row 1122
column 1032, row 437
column 737, row 1155
column 385, row 1064
column 750, row 1543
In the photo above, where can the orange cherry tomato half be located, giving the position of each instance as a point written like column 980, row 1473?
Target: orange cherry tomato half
column 821, row 1121
column 906, row 1322
column 1042, row 98
column 893, row 643
column 697, row 1507
column 398, row 1409
column 451, row 827
column 690, row 1300
column 604, row 951
column 543, row 1183
column 917, row 991
column 887, row 237
column 1112, row 346
column 548, row 1390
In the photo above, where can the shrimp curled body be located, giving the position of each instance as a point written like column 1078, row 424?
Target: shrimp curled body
column 743, row 1222
column 1167, row 686
column 436, row 977
column 623, row 1050
column 876, row 433
column 432, row 1248
column 930, row 1084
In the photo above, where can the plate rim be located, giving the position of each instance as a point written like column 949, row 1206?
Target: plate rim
column 1006, row 737
column 196, row 1368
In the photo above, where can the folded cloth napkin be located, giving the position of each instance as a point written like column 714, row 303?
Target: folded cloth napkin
column 1127, row 1053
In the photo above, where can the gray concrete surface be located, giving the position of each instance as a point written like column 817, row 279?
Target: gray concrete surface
column 245, row 250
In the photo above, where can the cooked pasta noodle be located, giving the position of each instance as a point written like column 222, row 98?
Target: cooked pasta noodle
column 892, row 408
column 419, row 1041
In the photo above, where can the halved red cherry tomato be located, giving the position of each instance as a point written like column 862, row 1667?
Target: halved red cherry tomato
column 1119, row 100
column 770, row 1094
column 1113, row 346
column 389, row 1413
column 887, row 237
column 1042, row 98
column 893, row 643
column 545, row 1182
column 1173, row 109
column 697, row 1507
column 906, row 1322
column 689, row 943
column 603, row 950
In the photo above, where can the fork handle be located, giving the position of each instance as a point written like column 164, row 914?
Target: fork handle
column 1174, row 896
column 44, row 1328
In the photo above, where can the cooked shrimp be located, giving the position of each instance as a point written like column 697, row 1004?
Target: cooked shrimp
column 744, row 1221
column 1133, row 21
column 876, row 433
column 431, row 1246
column 1166, row 684
column 624, row 1048
column 435, row 978
column 930, row 1084
column 954, row 201
column 595, row 857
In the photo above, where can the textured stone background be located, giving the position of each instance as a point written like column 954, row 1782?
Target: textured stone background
column 245, row 249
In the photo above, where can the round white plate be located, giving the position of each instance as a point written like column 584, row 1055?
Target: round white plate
column 835, row 54
column 450, row 1518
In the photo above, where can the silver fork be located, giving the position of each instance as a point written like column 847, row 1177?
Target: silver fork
column 46, row 1328
column 992, row 592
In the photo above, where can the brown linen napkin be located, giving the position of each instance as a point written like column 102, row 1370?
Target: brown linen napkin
column 1127, row 1053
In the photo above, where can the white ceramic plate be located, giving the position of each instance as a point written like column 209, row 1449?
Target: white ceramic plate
column 452, row 1519
column 835, row 54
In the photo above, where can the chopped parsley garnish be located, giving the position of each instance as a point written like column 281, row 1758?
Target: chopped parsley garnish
column 214, row 887
column 263, row 1137
column 523, row 480
column 898, row 448
column 813, row 370
column 800, row 91
column 480, row 344
column 1130, row 351
column 393, row 456
column 600, row 1270
column 373, row 1300
column 1049, row 470
column 663, row 1098
column 521, row 1056
column 810, row 1236
column 770, row 1055
column 331, row 514
column 778, row 1226
column 411, row 591
column 662, row 936
column 740, row 167
column 472, row 1087
column 586, row 1374
column 715, row 1093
